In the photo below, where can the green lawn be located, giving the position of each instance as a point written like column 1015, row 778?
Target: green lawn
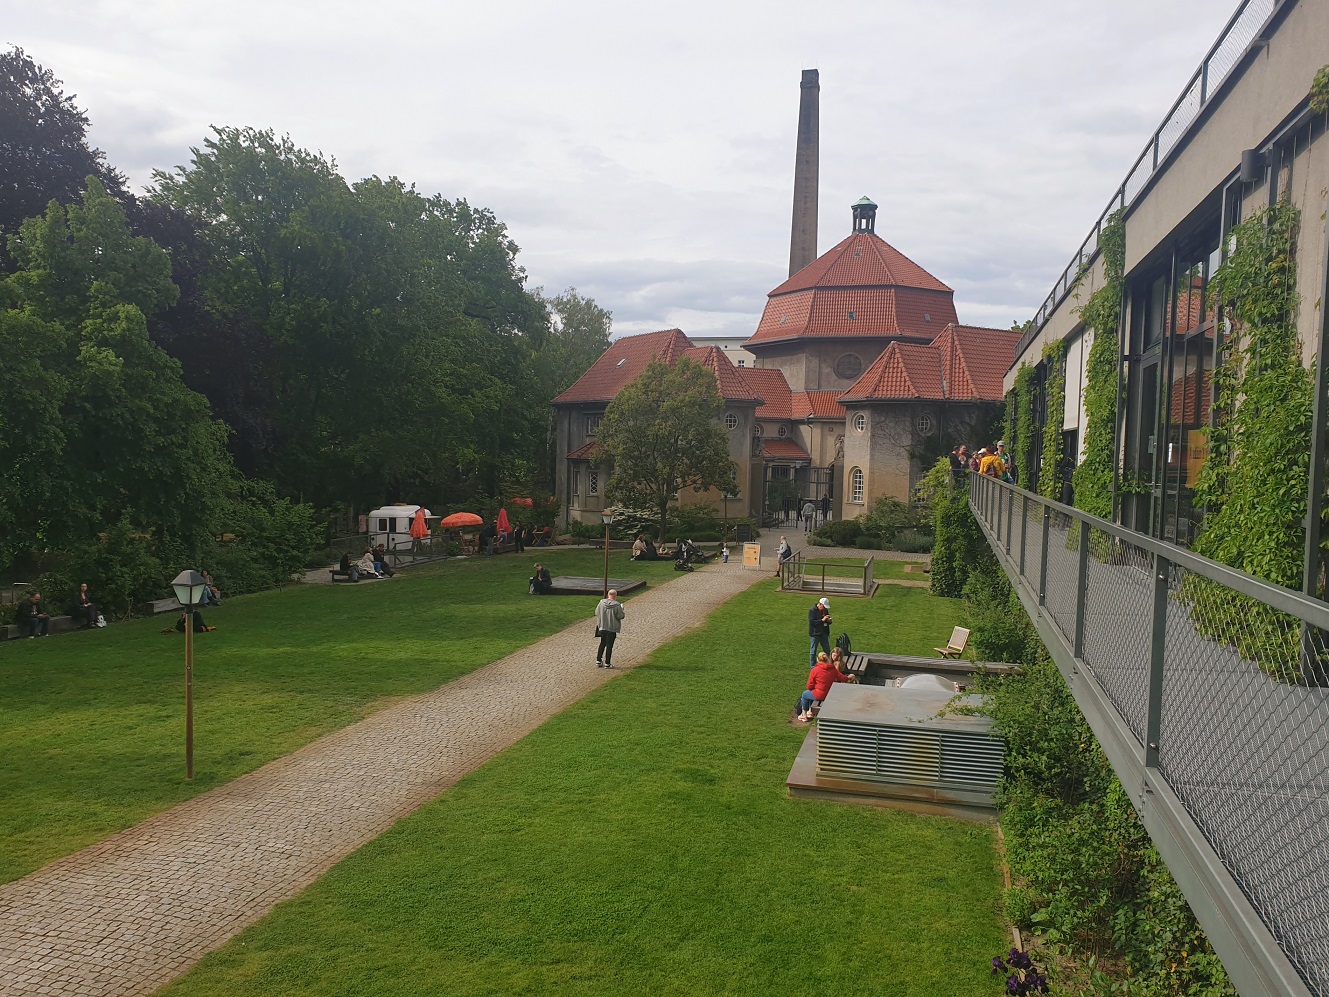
column 642, row 842
column 92, row 723
column 881, row 568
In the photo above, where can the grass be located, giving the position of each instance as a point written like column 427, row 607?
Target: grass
column 642, row 842
column 92, row 723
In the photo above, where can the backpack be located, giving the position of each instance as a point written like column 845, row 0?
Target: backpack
column 345, row 564
column 842, row 642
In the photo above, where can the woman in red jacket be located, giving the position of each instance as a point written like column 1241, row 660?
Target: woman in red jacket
column 820, row 679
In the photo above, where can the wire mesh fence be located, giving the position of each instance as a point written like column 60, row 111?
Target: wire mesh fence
column 1223, row 684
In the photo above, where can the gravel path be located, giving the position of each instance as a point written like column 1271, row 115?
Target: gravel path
column 130, row 913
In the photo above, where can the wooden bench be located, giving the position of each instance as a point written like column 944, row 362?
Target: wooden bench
column 346, row 576
column 159, row 606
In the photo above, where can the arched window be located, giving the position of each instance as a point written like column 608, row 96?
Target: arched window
column 730, row 421
column 924, row 424
column 856, row 485
column 782, row 432
column 860, row 422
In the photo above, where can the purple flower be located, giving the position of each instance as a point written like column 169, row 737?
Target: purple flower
column 997, row 965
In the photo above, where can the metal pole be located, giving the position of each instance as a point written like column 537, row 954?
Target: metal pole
column 1010, row 518
column 1081, row 589
column 606, row 592
column 189, row 691
column 1043, row 558
column 1158, row 645
column 1024, row 529
column 1310, row 568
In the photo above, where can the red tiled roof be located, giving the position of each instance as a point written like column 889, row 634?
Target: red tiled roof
column 733, row 387
column 965, row 363
column 587, row 451
column 784, row 450
column 877, row 312
column 818, row 405
column 769, row 385
column 626, row 358
column 864, row 259
column 621, row 363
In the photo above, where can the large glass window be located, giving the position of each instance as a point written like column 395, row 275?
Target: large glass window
column 856, row 485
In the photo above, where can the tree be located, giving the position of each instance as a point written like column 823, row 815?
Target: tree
column 44, row 152
column 578, row 335
column 662, row 434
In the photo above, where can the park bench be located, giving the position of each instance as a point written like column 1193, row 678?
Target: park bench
column 58, row 625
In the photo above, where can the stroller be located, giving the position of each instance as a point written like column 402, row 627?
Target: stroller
column 681, row 560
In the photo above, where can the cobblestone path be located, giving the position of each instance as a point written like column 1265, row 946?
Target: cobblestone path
column 132, row 912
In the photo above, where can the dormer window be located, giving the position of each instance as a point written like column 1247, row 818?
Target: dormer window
column 593, row 424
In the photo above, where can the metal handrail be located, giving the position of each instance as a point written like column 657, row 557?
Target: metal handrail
column 1233, row 43
column 1208, row 696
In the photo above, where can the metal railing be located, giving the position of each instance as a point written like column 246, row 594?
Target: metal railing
column 1209, row 692
column 801, row 574
column 1234, row 42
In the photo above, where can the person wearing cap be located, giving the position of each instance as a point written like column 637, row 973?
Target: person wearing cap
column 991, row 464
column 819, row 629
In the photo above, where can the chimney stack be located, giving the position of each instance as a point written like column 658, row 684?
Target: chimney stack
column 803, row 238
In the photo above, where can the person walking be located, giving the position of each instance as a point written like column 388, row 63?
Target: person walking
column 819, row 629
column 809, row 516
column 782, row 553
column 608, row 622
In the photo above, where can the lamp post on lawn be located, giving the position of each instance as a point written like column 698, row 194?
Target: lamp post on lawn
column 608, row 517
column 189, row 587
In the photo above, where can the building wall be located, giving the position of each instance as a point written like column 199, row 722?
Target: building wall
column 788, row 358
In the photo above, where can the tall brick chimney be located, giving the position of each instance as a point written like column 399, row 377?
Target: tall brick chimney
column 803, row 238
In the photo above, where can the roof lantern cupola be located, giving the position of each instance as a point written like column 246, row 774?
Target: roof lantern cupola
column 865, row 215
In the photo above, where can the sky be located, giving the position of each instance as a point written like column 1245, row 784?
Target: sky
column 644, row 153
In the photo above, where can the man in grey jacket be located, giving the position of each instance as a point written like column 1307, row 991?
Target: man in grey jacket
column 608, row 622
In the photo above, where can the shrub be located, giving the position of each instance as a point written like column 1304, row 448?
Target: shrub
column 865, row 542
column 959, row 546
column 887, row 517
column 841, row 532
column 273, row 539
column 121, row 568
column 913, row 542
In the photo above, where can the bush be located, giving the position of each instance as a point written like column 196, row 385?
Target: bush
column 273, row 539
column 960, row 546
column 840, row 532
column 913, row 542
column 887, row 517
column 865, row 542
column 122, row 570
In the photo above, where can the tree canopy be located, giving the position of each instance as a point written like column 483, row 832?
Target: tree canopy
column 44, row 151
column 663, row 435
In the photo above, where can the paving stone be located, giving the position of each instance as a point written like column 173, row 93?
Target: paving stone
column 128, row 914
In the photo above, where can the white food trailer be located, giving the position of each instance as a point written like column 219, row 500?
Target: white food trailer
column 391, row 525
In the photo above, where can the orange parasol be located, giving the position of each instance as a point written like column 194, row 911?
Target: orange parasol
column 419, row 529
column 502, row 521
column 460, row 519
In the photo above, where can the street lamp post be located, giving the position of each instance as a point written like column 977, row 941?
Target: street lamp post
column 608, row 517
column 189, row 587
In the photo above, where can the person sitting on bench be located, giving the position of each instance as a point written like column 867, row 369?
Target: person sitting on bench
column 86, row 609
column 541, row 583
column 34, row 616
column 366, row 565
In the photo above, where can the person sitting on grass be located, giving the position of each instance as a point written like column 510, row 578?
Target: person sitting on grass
column 541, row 583
column 199, row 626
column 820, row 679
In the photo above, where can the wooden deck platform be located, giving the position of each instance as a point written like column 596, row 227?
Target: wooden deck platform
column 584, row 585
column 867, row 665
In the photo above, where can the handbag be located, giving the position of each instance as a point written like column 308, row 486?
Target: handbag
column 597, row 633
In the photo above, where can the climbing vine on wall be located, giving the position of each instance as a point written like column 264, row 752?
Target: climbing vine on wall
column 1020, row 423
column 1102, row 313
column 1253, row 481
column 1320, row 91
column 1049, row 481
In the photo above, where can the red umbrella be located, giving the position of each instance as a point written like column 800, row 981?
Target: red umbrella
column 419, row 530
column 460, row 519
column 502, row 521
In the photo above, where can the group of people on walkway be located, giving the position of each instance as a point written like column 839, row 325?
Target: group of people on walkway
column 996, row 463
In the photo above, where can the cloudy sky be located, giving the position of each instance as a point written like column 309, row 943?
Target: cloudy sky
column 644, row 153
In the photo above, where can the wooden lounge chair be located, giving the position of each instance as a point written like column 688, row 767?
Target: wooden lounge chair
column 956, row 645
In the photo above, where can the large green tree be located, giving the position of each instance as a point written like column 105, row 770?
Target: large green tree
column 397, row 330
column 662, row 433
column 44, row 151
column 94, row 413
